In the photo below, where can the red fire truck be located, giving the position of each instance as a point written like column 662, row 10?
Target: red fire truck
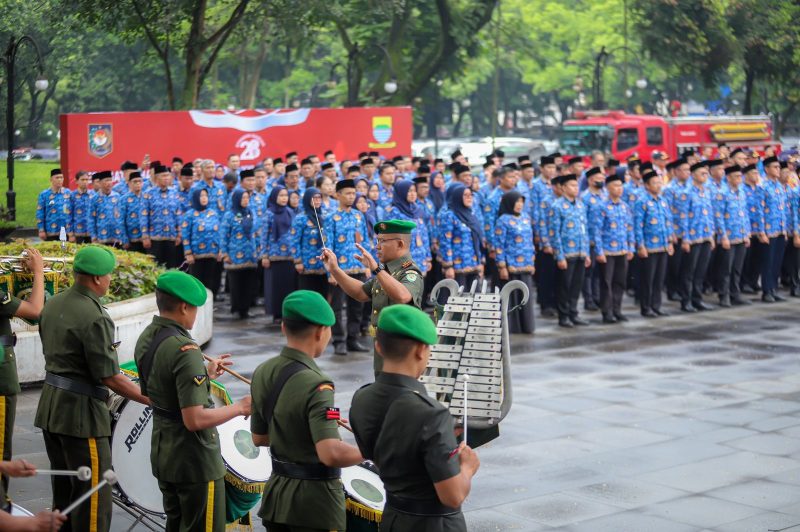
column 624, row 134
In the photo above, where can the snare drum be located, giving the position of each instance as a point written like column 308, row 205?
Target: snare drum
column 248, row 468
column 364, row 499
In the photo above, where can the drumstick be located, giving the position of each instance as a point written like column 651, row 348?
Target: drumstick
column 108, row 478
column 466, row 378
column 83, row 473
column 249, row 382
column 319, row 226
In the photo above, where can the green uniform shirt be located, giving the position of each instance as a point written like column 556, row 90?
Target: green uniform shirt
column 299, row 421
column 178, row 379
column 405, row 271
column 78, row 342
column 411, row 439
column 9, row 382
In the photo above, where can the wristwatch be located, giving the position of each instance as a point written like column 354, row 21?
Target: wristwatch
column 379, row 269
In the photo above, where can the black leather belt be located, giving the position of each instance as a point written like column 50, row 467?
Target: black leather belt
column 71, row 385
column 172, row 415
column 8, row 340
column 421, row 507
column 305, row 471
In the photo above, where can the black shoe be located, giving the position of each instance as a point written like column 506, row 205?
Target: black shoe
column 795, row 292
column 579, row 322
column 649, row 313
column 340, row 349
column 564, row 322
column 702, row 307
column 739, row 302
column 767, row 298
column 776, row 297
column 660, row 312
column 609, row 319
column 591, row 307
column 748, row 290
column 548, row 313
column 725, row 302
column 673, row 297
column 621, row 317
column 686, row 307
column 355, row 346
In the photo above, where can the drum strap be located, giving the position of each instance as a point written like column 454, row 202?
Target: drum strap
column 147, row 365
column 285, row 374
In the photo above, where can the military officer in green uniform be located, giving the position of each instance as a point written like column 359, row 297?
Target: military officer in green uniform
column 294, row 414
column 395, row 279
column 185, row 452
column 409, row 435
column 81, row 365
column 30, row 309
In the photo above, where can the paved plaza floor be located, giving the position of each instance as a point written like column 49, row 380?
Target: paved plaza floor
column 690, row 422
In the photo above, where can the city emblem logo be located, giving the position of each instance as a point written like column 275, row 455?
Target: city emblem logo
column 101, row 139
column 382, row 132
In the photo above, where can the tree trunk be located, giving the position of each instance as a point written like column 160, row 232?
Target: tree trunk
column 749, row 81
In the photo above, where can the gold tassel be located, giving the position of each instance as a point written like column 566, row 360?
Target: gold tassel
column 241, row 485
column 364, row 512
column 220, row 391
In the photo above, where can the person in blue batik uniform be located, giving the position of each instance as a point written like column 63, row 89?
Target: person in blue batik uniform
column 614, row 246
column 53, row 208
column 307, row 244
column 775, row 227
column 216, row 190
column 241, row 248
column 184, row 188
column 733, row 236
column 515, row 255
column 80, row 208
column 106, row 226
column 592, row 198
column 676, row 192
column 344, row 228
column 200, row 230
column 698, row 228
column 790, row 274
column 134, row 213
column 570, row 242
column 385, row 183
column 161, row 226
column 541, row 198
column 276, row 251
column 404, row 207
column 759, row 242
column 461, row 238
column 654, row 235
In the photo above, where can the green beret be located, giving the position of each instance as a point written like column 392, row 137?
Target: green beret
column 394, row 227
column 94, row 260
column 408, row 321
column 185, row 287
column 309, row 306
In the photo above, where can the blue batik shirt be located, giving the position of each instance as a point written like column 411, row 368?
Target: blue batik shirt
column 54, row 211
column 163, row 214
column 614, row 229
column 455, row 244
column 271, row 248
column 243, row 250
column 420, row 236
column 201, row 233
column 343, row 230
column 134, row 215
column 593, row 202
column 306, row 244
column 217, row 194
column 677, row 196
column 774, row 208
column 107, row 225
column 652, row 223
column 513, row 243
column 733, row 219
column 81, row 212
column 699, row 224
column 570, row 233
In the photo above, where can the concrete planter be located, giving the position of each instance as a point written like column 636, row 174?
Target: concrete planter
column 130, row 317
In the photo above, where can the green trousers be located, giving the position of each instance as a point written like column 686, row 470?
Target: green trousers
column 8, row 412
column 68, row 452
column 194, row 506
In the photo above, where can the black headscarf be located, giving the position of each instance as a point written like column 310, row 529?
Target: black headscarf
column 244, row 212
column 196, row 205
column 400, row 201
column 308, row 206
column 283, row 215
column 436, row 194
column 455, row 201
column 508, row 201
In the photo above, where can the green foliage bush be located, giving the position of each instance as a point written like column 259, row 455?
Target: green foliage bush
column 134, row 276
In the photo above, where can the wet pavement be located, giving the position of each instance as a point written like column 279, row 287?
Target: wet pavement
column 690, row 422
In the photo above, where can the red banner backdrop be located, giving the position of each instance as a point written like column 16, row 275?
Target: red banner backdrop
column 103, row 141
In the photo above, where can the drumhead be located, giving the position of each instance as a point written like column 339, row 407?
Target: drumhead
column 130, row 456
column 241, row 456
column 20, row 511
column 364, row 486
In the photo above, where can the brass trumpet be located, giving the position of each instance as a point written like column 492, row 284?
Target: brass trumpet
column 13, row 263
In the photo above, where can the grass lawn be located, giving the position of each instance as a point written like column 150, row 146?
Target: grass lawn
column 30, row 178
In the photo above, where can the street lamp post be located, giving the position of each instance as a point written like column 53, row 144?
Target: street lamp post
column 599, row 65
column 41, row 84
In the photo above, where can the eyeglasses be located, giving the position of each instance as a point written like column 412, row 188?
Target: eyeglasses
column 380, row 242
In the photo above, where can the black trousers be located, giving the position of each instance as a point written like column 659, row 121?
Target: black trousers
column 283, row 281
column 693, row 272
column 431, row 278
column 466, row 279
column 163, row 251
column 314, row 281
column 177, row 258
column 8, row 411
column 674, row 278
column 612, row 287
column 520, row 320
column 714, row 271
column 137, row 247
column 771, row 264
column 243, row 282
column 218, row 277
column 752, row 262
column 545, row 280
column 85, row 239
column 591, row 281
column 340, row 300
column 568, row 287
column 205, row 270
column 789, row 272
column 652, row 273
column 731, row 264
